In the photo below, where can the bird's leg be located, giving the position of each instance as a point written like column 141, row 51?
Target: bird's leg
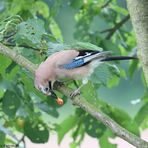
column 77, row 91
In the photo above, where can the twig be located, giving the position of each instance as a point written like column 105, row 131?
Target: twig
column 25, row 46
column 111, row 31
column 21, row 140
column 81, row 102
column 106, row 4
column 10, row 35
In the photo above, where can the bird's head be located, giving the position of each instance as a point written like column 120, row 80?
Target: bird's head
column 47, row 90
column 41, row 82
column 44, row 87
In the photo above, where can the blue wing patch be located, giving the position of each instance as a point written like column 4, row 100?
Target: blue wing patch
column 80, row 60
column 74, row 64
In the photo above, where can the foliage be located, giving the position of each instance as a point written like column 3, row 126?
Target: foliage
column 30, row 32
column 31, row 27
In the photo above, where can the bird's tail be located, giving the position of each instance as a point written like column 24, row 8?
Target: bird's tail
column 106, row 56
column 114, row 58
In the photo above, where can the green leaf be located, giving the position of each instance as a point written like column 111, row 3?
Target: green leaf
column 65, row 126
column 141, row 115
column 145, row 97
column 55, row 47
column 5, row 62
column 23, row 5
column 2, row 91
column 120, row 116
column 1, row 36
column 103, row 73
column 48, row 109
column 89, row 93
column 50, row 37
column 104, row 140
column 55, row 30
column 86, row 45
column 114, row 81
column 42, row 8
column 119, row 9
column 133, row 67
column 10, row 67
column 93, row 127
column 76, row 3
column 78, row 135
column 36, row 131
column 2, row 138
column 10, row 103
column 144, row 125
column 8, row 27
column 124, row 119
column 10, row 141
column 74, row 145
column 30, row 32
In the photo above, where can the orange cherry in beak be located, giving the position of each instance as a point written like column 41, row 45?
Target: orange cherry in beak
column 59, row 101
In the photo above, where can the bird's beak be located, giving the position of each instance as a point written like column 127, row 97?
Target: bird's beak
column 53, row 94
column 58, row 100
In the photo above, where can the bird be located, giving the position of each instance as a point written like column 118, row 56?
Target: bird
column 72, row 64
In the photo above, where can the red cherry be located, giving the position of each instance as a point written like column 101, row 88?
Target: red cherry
column 59, row 101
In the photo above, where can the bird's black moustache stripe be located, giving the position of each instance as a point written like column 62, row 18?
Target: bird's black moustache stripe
column 53, row 94
column 49, row 84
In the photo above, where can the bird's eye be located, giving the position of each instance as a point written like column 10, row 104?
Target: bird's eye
column 46, row 89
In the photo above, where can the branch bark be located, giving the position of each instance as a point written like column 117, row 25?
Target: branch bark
column 138, row 10
column 19, row 59
column 81, row 102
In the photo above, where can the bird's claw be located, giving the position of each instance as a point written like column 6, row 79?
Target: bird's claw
column 75, row 93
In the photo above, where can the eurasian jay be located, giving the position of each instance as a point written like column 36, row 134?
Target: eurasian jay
column 73, row 64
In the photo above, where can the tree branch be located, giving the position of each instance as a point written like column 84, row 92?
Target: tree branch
column 106, row 4
column 81, row 102
column 139, row 16
column 111, row 31
column 21, row 140
column 14, row 45
column 19, row 59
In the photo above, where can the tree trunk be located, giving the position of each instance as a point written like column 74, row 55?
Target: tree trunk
column 138, row 10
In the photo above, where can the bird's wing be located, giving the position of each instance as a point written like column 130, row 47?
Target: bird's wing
column 84, row 57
